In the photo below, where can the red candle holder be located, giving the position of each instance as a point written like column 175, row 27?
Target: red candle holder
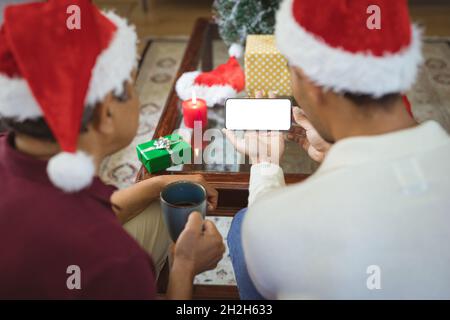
column 195, row 110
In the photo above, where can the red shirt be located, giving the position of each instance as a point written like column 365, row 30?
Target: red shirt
column 43, row 231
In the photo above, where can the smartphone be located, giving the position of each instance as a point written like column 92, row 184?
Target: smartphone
column 258, row 114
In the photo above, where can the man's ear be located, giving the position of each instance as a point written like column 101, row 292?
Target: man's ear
column 314, row 92
column 104, row 115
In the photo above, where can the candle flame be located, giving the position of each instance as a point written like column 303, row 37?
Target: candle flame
column 194, row 97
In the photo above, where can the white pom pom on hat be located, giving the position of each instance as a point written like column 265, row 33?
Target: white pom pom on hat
column 71, row 172
column 236, row 50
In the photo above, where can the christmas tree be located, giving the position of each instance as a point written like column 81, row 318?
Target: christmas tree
column 238, row 18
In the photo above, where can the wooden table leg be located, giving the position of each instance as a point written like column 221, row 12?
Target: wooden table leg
column 145, row 5
column 207, row 54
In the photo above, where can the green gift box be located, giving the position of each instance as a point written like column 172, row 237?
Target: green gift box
column 158, row 154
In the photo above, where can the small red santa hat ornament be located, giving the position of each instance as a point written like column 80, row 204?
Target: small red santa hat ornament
column 359, row 46
column 50, row 70
column 224, row 82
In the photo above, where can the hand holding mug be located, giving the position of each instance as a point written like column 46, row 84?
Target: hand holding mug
column 200, row 246
column 178, row 200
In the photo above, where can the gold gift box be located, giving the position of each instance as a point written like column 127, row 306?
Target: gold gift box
column 265, row 68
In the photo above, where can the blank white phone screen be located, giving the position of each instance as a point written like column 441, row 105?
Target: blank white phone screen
column 258, row 114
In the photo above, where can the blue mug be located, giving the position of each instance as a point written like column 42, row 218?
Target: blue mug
column 178, row 200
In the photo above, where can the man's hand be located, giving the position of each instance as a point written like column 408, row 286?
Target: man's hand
column 199, row 248
column 262, row 146
column 312, row 142
column 212, row 193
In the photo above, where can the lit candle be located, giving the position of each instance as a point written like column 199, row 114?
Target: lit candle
column 194, row 97
column 195, row 110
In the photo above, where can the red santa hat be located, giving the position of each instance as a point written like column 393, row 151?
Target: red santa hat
column 334, row 43
column 49, row 70
column 226, row 81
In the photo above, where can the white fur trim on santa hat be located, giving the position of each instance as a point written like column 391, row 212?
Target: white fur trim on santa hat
column 16, row 99
column 184, row 84
column 112, row 68
column 115, row 64
column 71, row 172
column 341, row 71
column 216, row 94
column 236, row 50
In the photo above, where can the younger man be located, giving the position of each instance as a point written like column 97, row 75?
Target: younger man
column 373, row 221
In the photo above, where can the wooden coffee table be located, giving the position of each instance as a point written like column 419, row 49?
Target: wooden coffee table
column 231, row 181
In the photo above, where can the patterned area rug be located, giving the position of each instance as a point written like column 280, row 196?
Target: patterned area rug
column 430, row 98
